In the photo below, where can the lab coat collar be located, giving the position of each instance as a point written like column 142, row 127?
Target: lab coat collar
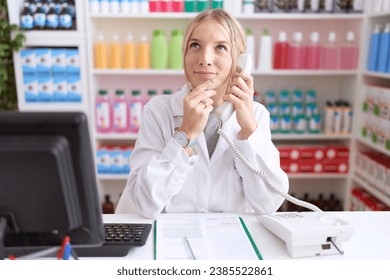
column 230, row 127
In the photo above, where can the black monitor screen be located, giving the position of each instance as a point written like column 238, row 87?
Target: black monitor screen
column 48, row 186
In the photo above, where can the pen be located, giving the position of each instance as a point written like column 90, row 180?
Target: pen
column 67, row 251
column 189, row 246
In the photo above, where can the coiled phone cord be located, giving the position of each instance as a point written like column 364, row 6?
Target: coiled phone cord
column 265, row 176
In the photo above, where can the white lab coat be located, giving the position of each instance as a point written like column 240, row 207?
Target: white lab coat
column 163, row 178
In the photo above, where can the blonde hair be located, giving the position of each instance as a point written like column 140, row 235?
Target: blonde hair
column 233, row 27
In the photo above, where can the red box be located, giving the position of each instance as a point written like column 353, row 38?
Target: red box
column 289, row 166
column 288, row 152
column 312, row 152
column 310, row 166
column 336, row 165
column 333, row 152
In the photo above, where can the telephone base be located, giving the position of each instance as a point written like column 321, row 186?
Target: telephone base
column 308, row 234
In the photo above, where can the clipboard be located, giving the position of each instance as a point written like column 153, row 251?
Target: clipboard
column 203, row 237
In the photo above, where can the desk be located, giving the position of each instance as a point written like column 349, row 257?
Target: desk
column 371, row 240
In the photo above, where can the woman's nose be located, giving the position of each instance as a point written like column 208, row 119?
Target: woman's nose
column 206, row 58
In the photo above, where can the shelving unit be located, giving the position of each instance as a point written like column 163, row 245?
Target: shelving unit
column 330, row 85
column 371, row 78
column 48, row 39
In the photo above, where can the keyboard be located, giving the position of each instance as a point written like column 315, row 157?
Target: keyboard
column 119, row 238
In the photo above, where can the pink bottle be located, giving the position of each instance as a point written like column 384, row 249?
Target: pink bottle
column 178, row 6
column 154, row 6
column 166, row 6
column 313, row 52
column 135, row 109
column 331, row 53
column 120, row 112
column 103, row 112
column 297, row 52
column 349, row 53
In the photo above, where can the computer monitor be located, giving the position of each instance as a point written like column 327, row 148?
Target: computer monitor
column 48, row 186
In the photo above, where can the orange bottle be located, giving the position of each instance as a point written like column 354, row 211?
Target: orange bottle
column 100, row 53
column 115, row 53
column 129, row 53
column 143, row 58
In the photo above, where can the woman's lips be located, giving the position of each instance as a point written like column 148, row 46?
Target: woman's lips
column 205, row 74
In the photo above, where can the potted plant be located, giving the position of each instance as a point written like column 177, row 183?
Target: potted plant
column 10, row 40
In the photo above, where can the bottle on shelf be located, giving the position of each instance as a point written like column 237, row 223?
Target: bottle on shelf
column 120, row 112
column 373, row 50
column 104, row 6
column 281, row 50
column 26, row 18
column 114, row 6
column 135, row 7
column 39, row 18
column 175, row 56
column 154, row 6
column 384, row 48
column 143, row 53
column 135, row 111
column 52, row 20
column 349, row 53
column 250, row 45
column 166, row 5
column 297, row 52
column 108, row 206
column 313, row 52
column 159, row 50
column 202, row 5
column 125, row 7
column 248, row 7
column 217, row 4
column 129, row 54
column 178, row 6
column 66, row 22
column 265, row 54
column 331, row 53
column 100, row 52
column 189, row 6
column 115, row 58
column 103, row 112
column 151, row 93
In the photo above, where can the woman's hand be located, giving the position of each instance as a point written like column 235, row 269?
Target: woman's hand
column 197, row 106
column 240, row 94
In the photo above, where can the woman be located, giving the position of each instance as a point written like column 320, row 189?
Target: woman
column 179, row 162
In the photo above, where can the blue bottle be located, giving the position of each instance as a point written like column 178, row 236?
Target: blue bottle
column 384, row 48
column 373, row 50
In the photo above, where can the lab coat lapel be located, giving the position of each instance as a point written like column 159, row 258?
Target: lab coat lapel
column 230, row 127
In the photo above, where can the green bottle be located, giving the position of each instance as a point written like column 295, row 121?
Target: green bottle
column 189, row 6
column 202, row 5
column 217, row 4
column 159, row 50
column 175, row 57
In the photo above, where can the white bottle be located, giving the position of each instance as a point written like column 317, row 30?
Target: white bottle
column 314, row 6
column 94, row 6
column 250, row 45
column 144, row 7
column 233, row 7
column 114, row 6
column 265, row 54
column 135, row 7
column 248, row 7
column 104, row 6
column 125, row 6
column 385, row 5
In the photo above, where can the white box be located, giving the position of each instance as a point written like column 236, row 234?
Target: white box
column 43, row 58
column 58, row 57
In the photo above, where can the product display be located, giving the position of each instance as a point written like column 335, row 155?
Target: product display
column 314, row 66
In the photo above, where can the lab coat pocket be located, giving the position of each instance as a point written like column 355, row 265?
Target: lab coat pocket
column 234, row 195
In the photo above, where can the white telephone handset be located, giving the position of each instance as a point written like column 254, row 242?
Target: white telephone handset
column 226, row 109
